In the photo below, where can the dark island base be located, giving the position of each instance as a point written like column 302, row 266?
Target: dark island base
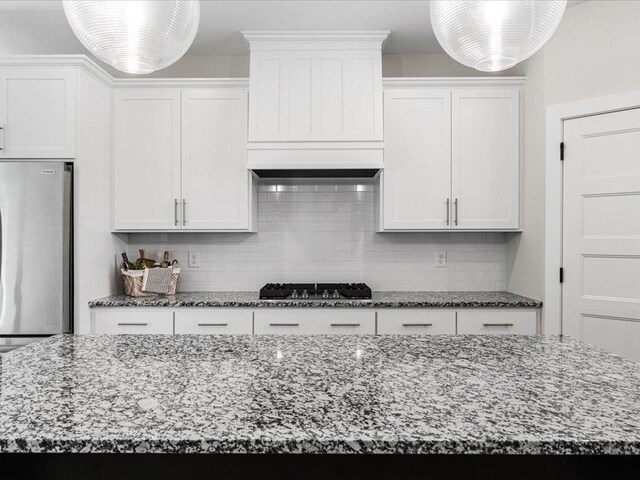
column 69, row 466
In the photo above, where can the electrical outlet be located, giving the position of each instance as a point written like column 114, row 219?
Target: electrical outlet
column 194, row 260
column 441, row 259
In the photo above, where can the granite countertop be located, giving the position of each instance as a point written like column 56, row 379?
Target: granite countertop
column 379, row 300
column 490, row 394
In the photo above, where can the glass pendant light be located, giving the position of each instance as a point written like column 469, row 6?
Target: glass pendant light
column 494, row 35
column 135, row 36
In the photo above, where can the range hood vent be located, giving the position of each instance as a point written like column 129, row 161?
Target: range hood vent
column 319, row 173
column 315, row 103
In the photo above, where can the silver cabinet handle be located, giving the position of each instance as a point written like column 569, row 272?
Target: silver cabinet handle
column 417, row 324
column 455, row 206
column 213, row 324
column 3, row 137
column 133, row 324
column 284, row 324
column 448, row 200
column 345, row 324
column 497, row 324
column 184, row 212
column 175, row 212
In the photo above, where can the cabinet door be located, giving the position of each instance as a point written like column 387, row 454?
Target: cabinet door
column 416, row 184
column 494, row 321
column 214, row 321
column 419, row 321
column 146, row 180
column 485, row 158
column 37, row 113
column 322, row 321
column 140, row 320
column 215, row 179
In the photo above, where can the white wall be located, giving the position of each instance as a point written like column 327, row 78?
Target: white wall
column 94, row 245
column 594, row 52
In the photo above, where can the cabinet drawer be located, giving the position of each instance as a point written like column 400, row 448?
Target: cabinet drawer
column 497, row 321
column 132, row 320
column 416, row 322
column 312, row 321
column 214, row 321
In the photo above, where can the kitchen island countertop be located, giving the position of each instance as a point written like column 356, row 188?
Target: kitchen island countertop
column 318, row 394
column 474, row 299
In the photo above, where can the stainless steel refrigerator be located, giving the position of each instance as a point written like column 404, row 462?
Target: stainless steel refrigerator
column 35, row 251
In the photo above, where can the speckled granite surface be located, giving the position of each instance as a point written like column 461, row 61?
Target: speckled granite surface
column 380, row 300
column 350, row 394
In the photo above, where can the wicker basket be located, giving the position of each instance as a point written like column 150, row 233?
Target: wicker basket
column 132, row 283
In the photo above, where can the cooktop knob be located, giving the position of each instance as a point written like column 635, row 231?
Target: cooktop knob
column 335, row 294
column 325, row 294
column 295, row 294
column 305, row 294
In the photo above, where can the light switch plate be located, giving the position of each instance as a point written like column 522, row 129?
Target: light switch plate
column 441, row 259
column 194, row 260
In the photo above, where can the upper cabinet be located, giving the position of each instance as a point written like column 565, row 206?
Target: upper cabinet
column 315, row 99
column 37, row 112
column 146, row 154
column 180, row 160
column 485, row 158
column 452, row 155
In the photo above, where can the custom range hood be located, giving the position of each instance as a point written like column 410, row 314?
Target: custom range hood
column 315, row 103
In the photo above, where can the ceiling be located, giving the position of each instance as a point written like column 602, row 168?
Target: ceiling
column 40, row 27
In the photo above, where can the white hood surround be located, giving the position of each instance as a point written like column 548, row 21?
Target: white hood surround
column 315, row 100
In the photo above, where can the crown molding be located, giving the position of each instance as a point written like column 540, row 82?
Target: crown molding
column 59, row 61
column 314, row 40
column 413, row 82
column 182, row 82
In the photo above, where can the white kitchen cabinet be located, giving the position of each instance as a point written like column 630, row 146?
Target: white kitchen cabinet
column 180, row 160
column 416, row 321
column 37, row 112
column 132, row 320
column 497, row 321
column 416, row 183
column 485, row 156
column 215, row 180
column 452, row 155
column 304, row 321
column 214, row 321
column 146, row 159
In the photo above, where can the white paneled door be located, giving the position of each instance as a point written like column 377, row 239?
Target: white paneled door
column 601, row 238
column 215, row 179
column 484, row 143
column 417, row 173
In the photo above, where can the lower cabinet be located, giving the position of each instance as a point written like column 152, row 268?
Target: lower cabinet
column 496, row 321
column 132, row 320
column 214, row 321
column 314, row 321
column 304, row 321
column 419, row 321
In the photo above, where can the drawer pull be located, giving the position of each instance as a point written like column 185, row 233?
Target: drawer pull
column 213, row 324
column 133, row 324
column 497, row 324
column 417, row 324
column 284, row 324
column 345, row 324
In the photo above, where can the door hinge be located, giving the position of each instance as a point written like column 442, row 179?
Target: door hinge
column 561, row 151
column 561, row 275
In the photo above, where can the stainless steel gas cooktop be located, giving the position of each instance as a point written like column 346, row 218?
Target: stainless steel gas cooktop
column 315, row 291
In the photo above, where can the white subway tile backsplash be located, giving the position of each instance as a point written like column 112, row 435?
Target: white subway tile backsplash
column 323, row 230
